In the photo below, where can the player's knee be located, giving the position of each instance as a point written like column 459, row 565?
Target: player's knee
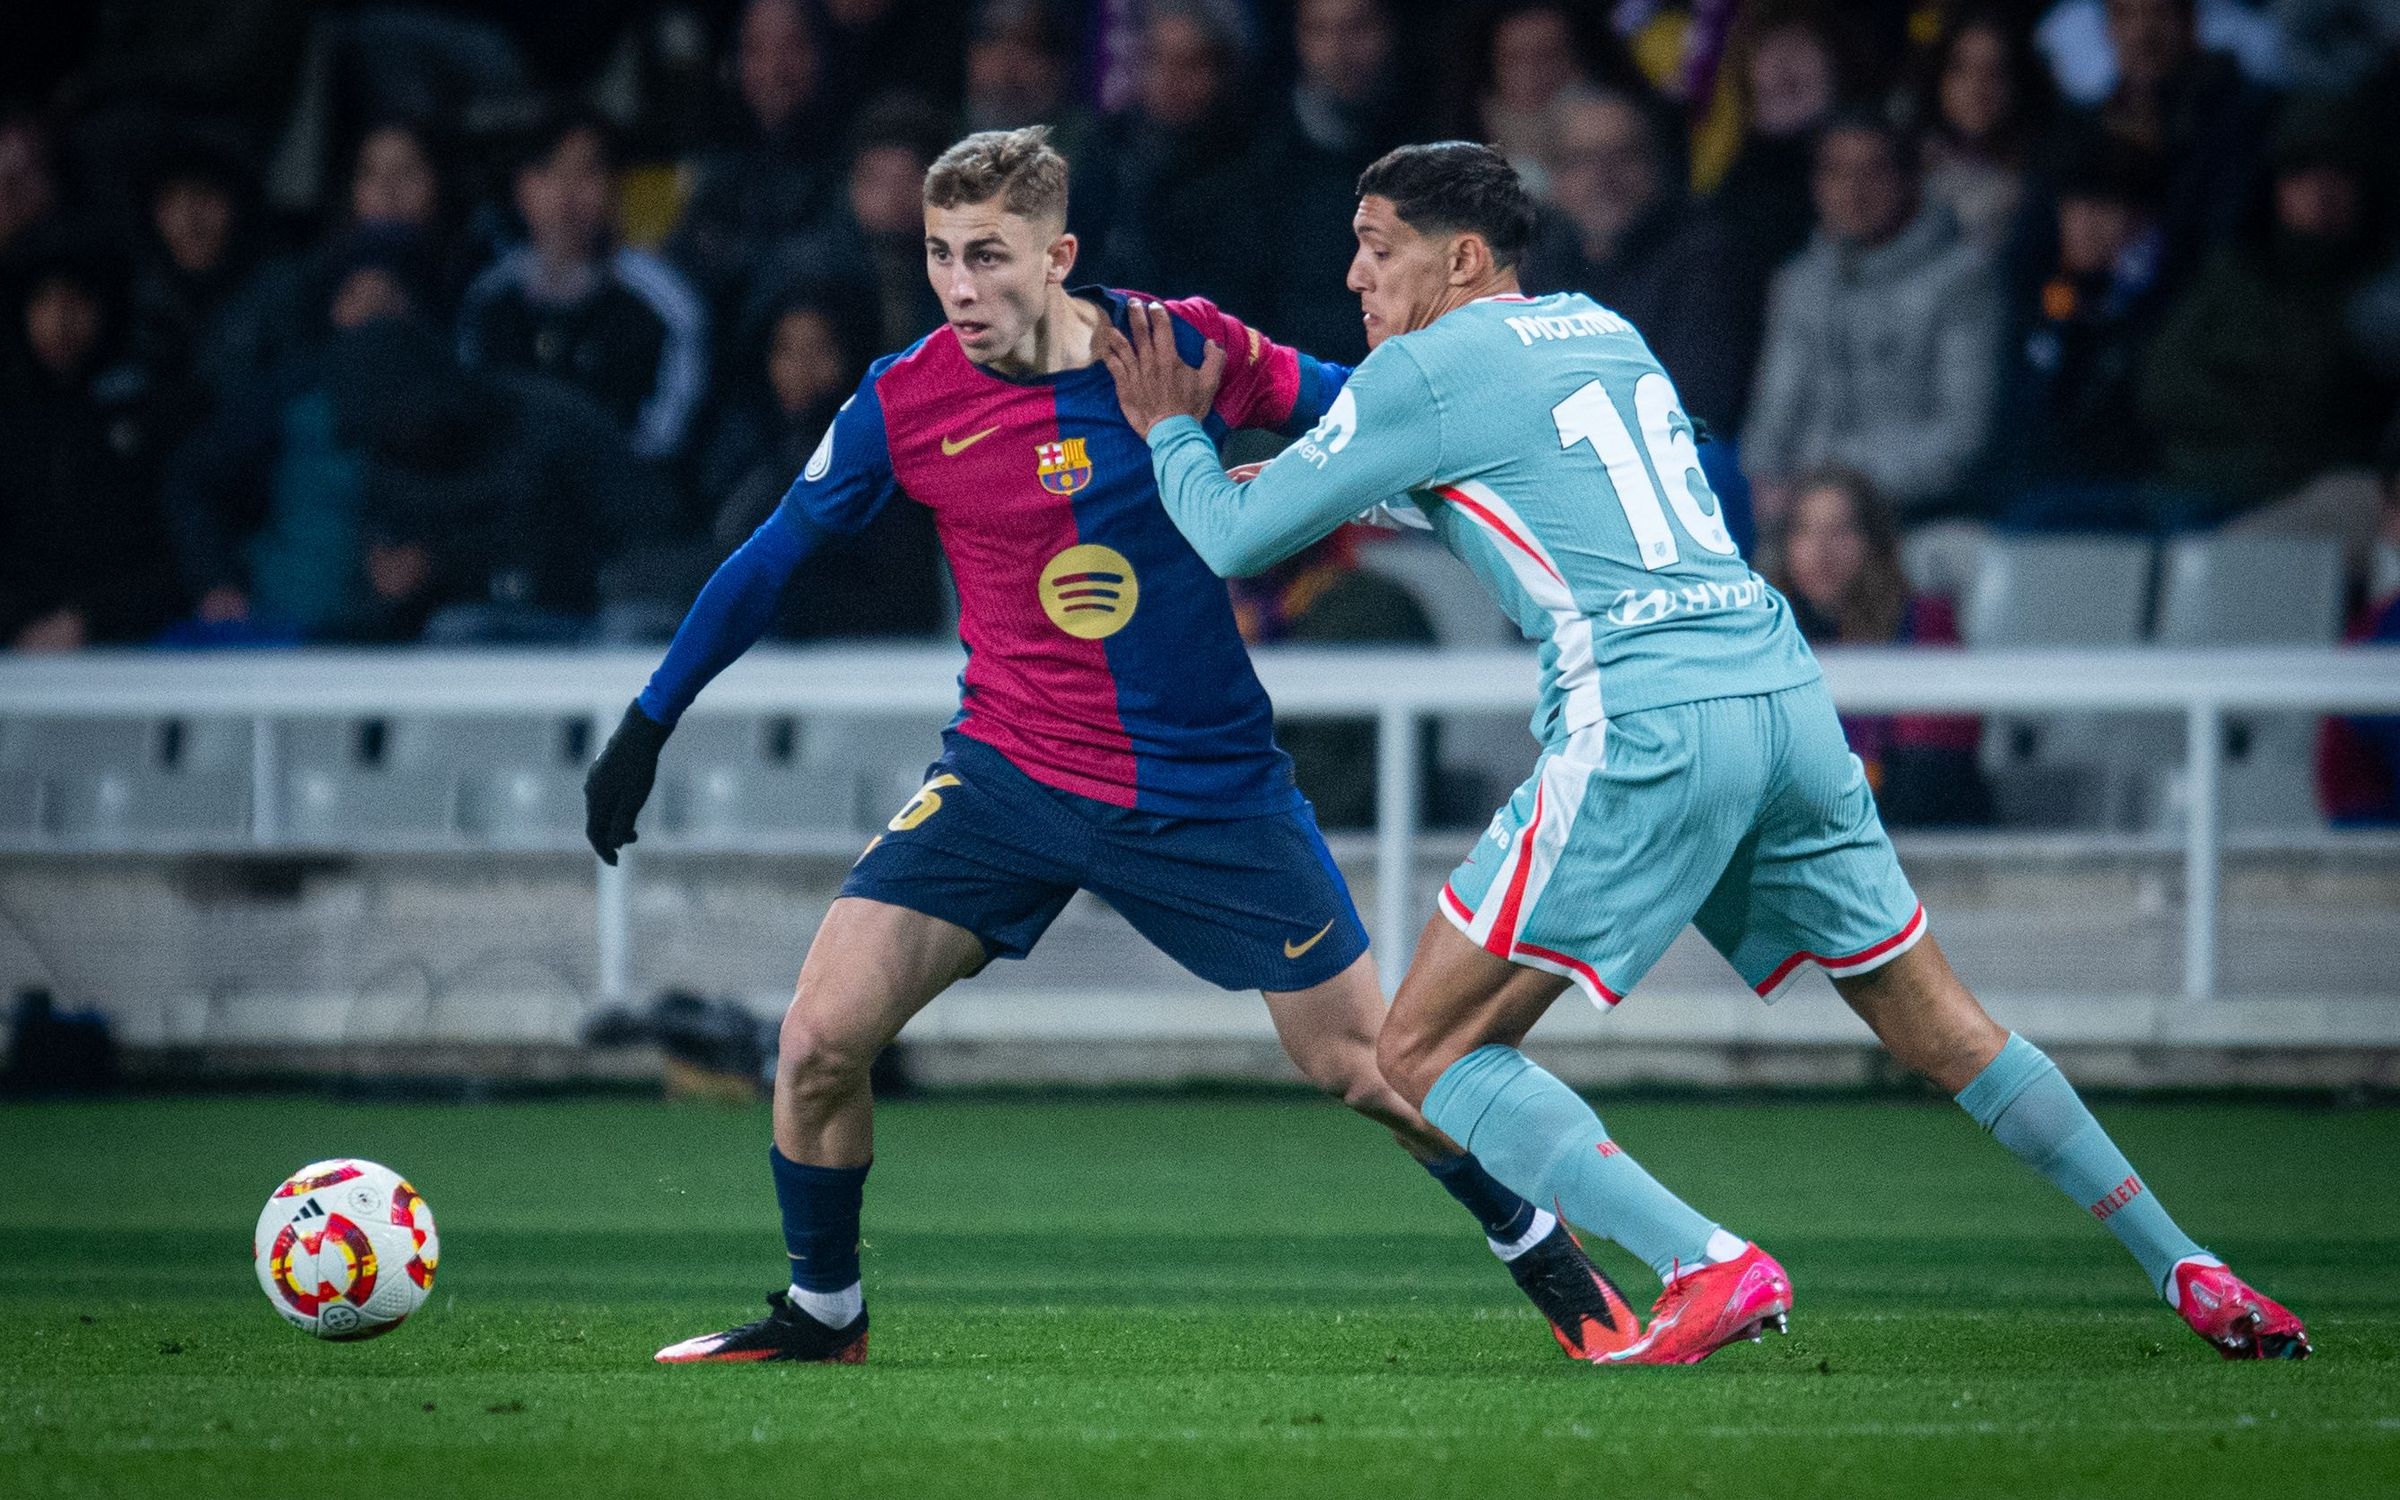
column 812, row 1065
column 1402, row 1059
column 1342, row 1068
column 1359, row 1086
column 1951, row 1054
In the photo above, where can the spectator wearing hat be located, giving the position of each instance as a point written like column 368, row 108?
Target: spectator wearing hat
column 618, row 324
column 83, row 550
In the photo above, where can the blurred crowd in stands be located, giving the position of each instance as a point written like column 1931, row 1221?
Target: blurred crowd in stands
column 504, row 321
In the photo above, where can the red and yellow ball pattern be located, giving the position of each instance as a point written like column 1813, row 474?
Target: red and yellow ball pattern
column 346, row 1249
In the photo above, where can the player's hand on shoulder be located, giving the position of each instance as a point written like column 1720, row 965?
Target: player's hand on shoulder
column 1153, row 381
column 619, row 782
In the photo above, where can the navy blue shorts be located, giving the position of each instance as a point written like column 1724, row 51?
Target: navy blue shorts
column 1244, row 903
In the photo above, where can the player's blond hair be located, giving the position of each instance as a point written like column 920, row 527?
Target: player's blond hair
column 1019, row 167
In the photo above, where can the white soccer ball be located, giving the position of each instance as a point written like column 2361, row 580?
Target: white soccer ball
column 346, row 1249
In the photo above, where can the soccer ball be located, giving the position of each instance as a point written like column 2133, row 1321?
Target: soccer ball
column 346, row 1249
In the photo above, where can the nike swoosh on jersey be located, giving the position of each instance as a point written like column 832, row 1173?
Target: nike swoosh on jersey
column 1294, row 950
column 952, row 449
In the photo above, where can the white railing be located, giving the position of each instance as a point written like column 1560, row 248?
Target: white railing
column 1399, row 689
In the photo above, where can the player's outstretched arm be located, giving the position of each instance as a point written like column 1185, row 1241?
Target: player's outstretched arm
column 732, row 612
column 846, row 481
column 1312, row 487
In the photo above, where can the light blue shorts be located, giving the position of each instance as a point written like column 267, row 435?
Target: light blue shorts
column 1748, row 818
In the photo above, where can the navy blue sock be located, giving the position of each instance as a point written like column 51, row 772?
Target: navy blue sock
column 1503, row 1215
column 820, row 1221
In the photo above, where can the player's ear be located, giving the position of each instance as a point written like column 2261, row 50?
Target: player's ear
column 1470, row 260
column 1061, row 256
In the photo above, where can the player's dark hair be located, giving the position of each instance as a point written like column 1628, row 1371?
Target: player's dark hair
column 1019, row 167
column 1456, row 187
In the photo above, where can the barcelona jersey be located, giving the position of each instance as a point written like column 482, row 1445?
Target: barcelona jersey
column 1102, row 655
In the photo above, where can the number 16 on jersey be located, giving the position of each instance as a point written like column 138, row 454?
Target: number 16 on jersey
column 1591, row 416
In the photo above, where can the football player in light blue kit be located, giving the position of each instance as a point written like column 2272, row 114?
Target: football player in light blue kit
column 1692, row 769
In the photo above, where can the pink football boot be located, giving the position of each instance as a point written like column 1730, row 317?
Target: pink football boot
column 1702, row 1311
column 2242, row 1323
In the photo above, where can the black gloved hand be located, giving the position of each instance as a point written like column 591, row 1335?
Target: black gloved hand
column 619, row 782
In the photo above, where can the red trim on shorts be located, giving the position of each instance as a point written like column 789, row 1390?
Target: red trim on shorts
column 1484, row 515
column 1458, row 908
column 1504, row 926
column 1864, row 956
column 1582, row 970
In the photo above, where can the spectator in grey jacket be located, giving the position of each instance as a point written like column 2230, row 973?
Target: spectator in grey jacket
column 1882, row 336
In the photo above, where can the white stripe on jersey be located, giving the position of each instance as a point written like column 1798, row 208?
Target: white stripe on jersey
column 1536, row 572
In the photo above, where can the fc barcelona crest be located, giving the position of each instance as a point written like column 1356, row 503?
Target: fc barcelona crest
column 1064, row 465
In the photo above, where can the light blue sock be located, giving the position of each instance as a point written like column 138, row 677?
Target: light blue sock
column 1539, row 1137
column 2030, row 1108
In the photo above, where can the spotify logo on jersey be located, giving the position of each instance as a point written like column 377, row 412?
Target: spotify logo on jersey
column 1090, row 591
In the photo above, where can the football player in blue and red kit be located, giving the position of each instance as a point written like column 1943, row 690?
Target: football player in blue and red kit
column 1110, row 737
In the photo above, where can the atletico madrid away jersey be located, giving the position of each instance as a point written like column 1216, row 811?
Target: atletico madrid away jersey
column 1102, row 656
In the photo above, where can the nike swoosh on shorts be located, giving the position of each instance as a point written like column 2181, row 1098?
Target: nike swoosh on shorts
column 1294, row 950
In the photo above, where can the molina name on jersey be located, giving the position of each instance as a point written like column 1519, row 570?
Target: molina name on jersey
column 1542, row 442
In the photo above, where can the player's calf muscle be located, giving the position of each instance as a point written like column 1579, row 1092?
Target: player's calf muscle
column 1926, row 1017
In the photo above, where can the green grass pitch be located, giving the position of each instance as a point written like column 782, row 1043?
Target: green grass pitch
column 1254, row 1297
